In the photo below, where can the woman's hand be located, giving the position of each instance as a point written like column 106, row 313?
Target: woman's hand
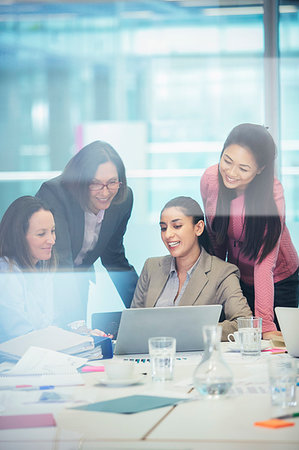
column 96, row 332
column 272, row 334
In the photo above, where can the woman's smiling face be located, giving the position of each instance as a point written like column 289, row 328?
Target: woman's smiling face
column 178, row 232
column 41, row 235
column 238, row 167
column 101, row 199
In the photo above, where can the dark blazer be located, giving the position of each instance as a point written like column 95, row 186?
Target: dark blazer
column 213, row 281
column 69, row 223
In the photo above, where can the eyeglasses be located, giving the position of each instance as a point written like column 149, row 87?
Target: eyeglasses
column 111, row 186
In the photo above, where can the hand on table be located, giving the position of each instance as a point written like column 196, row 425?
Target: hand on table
column 272, row 334
column 96, row 332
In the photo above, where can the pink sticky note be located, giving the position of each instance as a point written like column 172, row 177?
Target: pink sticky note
column 27, row 421
column 93, row 369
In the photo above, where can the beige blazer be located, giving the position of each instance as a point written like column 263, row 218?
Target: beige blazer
column 213, row 281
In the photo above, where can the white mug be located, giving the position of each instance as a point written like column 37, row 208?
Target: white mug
column 120, row 370
column 234, row 338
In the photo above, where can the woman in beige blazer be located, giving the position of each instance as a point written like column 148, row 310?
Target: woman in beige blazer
column 190, row 275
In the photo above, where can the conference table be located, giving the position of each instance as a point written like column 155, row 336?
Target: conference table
column 194, row 423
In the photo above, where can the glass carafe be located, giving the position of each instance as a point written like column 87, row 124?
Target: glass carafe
column 212, row 377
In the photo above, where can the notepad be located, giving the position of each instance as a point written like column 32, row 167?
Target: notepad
column 131, row 404
column 27, row 421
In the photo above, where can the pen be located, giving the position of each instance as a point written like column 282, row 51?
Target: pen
column 33, row 388
column 288, row 416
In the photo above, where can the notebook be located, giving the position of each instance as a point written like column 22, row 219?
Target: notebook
column 288, row 319
column 185, row 323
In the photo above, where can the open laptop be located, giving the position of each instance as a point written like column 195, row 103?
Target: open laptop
column 185, row 323
column 288, row 319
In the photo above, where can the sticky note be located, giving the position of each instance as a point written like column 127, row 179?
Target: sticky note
column 92, row 369
column 274, row 423
column 27, row 421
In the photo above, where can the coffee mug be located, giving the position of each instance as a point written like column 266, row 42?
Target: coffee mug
column 234, row 338
column 120, row 370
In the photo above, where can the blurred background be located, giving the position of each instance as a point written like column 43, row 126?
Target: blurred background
column 163, row 81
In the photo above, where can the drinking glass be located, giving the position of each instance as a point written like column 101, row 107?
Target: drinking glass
column 250, row 336
column 283, row 378
column 162, row 357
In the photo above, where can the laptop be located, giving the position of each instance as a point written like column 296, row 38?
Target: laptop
column 288, row 319
column 185, row 323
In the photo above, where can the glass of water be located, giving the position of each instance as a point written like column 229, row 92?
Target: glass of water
column 250, row 335
column 283, row 380
column 162, row 356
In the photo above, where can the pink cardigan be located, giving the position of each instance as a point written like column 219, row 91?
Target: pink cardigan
column 278, row 265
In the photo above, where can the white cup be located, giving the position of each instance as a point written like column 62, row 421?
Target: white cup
column 120, row 370
column 250, row 335
column 162, row 357
column 234, row 338
column 283, row 378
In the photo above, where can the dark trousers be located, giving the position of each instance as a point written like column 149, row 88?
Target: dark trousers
column 286, row 293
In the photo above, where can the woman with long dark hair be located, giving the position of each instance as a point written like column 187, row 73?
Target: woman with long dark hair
column 92, row 204
column 190, row 275
column 245, row 212
column 28, row 269
column 27, row 236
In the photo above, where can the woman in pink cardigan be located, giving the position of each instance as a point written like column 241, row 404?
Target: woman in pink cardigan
column 245, row 212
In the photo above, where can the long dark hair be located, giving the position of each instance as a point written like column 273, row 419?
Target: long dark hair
column 262, row 226
column 81, row 169
column 13, row 229
column 192, row 209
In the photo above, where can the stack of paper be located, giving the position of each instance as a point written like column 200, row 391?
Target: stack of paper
column 52, row 338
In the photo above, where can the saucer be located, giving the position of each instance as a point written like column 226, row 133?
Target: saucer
column 121, row 381
column 233, row 347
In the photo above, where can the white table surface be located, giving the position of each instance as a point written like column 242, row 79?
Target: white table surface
column 223, row 423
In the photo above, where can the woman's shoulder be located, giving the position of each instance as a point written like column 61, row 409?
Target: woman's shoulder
column 277, row 188
column 8, row 266
column 52, row 189
column 278, row 195
column 54, row 183
column 209, row 178
column 157, row 261
column 129, row 195
column 55, row 195
column 220, row 266
column 211, row 172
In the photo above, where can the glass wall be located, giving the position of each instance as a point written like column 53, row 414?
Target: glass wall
column 187, row 73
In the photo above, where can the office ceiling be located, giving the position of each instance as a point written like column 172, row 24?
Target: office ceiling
column 129, row 9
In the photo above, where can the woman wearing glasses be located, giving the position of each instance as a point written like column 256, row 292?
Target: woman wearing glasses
column 92, row 204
